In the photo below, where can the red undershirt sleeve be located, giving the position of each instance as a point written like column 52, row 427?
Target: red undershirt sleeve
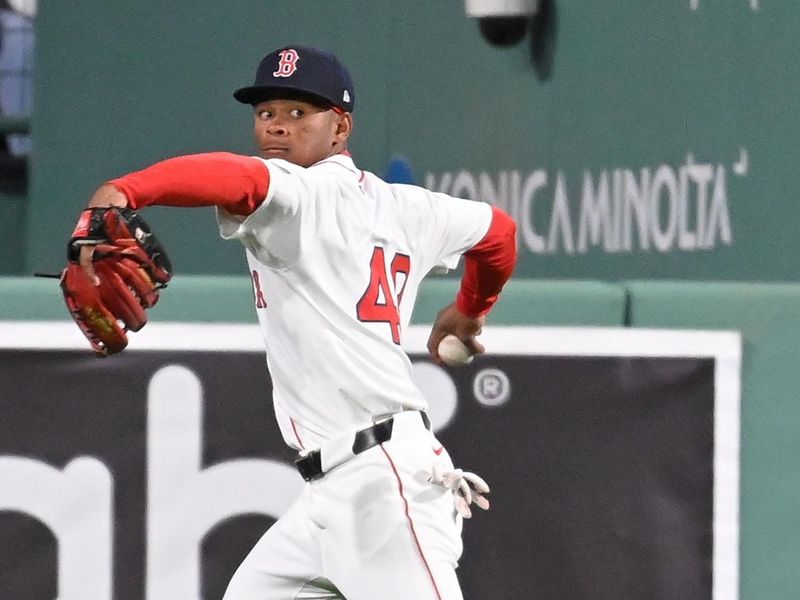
column 235, row 183
column 487, row 266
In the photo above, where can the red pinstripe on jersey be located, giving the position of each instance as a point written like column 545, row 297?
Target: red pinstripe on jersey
column 296, row 434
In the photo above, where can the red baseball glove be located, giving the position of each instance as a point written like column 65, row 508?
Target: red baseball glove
column 130, row 268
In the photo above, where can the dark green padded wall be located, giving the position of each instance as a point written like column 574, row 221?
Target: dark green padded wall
column 13, row 208
column 684, row 112
column 121, row 85
column 230, row 299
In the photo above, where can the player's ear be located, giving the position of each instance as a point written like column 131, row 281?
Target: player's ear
column 344, row 126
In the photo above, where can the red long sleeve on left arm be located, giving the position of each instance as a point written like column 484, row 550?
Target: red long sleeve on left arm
column 487, row 266
column 235, row 183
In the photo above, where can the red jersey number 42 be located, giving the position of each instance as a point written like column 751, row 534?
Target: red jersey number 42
column 377, row 304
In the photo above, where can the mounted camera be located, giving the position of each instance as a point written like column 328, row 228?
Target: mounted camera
column 502, row 22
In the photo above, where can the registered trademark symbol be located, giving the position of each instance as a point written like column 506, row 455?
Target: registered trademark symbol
column 491, row 387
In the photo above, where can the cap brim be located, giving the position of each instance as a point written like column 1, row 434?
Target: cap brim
column 258, row 93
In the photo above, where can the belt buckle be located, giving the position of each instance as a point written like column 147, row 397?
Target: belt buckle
column 310, row 465
column 372, row 436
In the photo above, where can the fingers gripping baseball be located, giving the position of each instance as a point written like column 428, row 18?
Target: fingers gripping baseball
column 450, row 321
column 116, row 269
column 468, row 488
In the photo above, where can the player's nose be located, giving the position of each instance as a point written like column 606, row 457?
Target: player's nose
column 277, row 128
column 278, row 125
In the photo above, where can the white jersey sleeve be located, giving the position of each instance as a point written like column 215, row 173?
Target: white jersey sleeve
column 275, row 232
column 454, row 226
column 443, row 227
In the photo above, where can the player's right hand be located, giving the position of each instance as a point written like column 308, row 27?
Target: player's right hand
column 450, row 320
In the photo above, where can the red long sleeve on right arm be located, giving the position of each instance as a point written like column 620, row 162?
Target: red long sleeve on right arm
column 236, row 183
column 487, row 266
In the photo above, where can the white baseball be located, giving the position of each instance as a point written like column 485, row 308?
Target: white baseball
column 453, row 352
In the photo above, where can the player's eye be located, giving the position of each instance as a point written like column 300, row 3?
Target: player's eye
column 297, row 112
column 264, row 114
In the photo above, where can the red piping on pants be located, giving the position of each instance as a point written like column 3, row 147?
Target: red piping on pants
column 411, row 524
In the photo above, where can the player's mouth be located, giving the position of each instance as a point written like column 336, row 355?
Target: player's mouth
column 275, row 150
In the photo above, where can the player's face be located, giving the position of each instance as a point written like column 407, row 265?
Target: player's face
column 299, row 132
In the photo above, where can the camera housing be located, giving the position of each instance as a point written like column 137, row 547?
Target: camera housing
column 502, row 22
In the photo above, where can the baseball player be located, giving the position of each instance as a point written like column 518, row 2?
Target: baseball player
column 336, row 257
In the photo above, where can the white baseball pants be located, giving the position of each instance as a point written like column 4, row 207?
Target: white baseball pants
column 372, row 528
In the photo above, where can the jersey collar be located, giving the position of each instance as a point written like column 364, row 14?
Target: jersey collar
column 344, row 159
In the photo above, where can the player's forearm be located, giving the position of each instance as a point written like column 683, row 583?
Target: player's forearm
column 235, row 183
column 107, row 195
column 488, row 265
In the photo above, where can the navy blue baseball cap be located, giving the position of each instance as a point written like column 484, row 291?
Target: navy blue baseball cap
column 299, row 70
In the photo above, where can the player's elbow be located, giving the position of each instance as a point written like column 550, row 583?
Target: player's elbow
column 505, row 229
column 502, row 222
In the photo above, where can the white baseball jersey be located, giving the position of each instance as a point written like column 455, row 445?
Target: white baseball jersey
column 337, row 256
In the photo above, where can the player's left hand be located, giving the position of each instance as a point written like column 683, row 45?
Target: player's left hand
column 468, row 488
column 450, row 320
column 128, row 268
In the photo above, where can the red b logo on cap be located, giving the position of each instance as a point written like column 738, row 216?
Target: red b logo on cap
column 287, row 65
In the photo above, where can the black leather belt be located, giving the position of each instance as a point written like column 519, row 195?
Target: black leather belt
column 310, row 465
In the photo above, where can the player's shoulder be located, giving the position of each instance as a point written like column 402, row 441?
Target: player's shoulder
column 322, row 177
column 338, row 166
column 321, row 168
column 406, row 192
column 282, row 165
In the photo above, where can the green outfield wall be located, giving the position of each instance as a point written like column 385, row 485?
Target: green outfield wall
column 629, row 139
column 13, row 208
